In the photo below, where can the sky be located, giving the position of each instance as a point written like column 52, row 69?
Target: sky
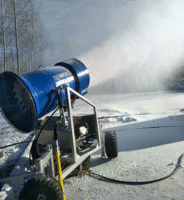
column 137, row 44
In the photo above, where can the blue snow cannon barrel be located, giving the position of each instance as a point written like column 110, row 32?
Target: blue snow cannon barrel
column 27, row 97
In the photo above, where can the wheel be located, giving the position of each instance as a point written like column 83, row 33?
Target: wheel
column 111, row 146
column 44, row 188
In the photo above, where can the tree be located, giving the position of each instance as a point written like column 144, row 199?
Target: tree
column 16, row 36
column 3, row 36
column 21, row 36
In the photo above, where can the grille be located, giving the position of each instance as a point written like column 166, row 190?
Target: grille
column 17, row 104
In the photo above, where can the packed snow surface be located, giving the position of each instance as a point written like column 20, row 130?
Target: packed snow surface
column 149, row 127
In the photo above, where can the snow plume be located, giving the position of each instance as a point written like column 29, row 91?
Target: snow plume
column 145, row 48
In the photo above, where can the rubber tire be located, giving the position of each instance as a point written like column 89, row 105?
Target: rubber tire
column 49, row 187
column 111, row 146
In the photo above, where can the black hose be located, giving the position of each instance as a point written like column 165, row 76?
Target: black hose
column 55, row 131
column 33, row 151
column 98, row 176
column 14, row 144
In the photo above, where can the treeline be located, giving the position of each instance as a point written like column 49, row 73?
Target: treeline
column 21, row 36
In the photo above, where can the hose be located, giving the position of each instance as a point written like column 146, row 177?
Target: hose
column 33, row 151
column 15, row 144
column 95, row 175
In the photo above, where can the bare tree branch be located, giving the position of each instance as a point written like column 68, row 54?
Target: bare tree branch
column 4, row 38
column 16, row 37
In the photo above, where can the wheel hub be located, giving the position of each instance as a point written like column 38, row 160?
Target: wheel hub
column 41, row 197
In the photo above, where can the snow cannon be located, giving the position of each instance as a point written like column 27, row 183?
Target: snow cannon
column 27, row 97
column 63, row 141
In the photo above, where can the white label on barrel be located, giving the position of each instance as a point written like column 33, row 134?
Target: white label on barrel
column 57, row 77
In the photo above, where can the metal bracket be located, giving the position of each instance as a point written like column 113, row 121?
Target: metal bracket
column 45, row 164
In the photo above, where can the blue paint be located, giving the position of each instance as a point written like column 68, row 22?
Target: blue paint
column 27, row 97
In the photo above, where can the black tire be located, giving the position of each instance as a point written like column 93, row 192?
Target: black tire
column 41, row 189
column 111, row 146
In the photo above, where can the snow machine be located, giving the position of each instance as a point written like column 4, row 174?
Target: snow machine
column 42, row 101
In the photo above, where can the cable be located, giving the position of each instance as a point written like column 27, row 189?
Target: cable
column 46, row 123
column 35, row 138
column 92, row 174
column 33, row 151
column 15, row 144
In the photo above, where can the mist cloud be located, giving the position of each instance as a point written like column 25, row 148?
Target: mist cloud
column 144, row 55
column 135, row 45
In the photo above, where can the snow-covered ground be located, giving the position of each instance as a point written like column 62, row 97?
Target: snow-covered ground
column 11, row 154
column 135, row 107
column 146, row 124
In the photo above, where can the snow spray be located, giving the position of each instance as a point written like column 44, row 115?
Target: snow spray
column 144, row 50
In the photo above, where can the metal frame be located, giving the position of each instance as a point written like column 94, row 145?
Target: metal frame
column 75, row 157
column 71, row 124
column 45, row 164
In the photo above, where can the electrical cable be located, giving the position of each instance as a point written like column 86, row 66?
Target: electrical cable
column 15, row 144
column 95, row 175
column 33, row 151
